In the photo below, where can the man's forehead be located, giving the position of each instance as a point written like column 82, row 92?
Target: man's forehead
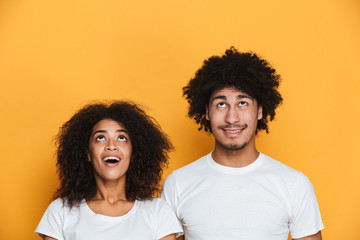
column 229, row 91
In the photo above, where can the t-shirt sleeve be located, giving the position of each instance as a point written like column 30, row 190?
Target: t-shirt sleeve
column 306, row 218
column 52, row 221
column 169, row 193
column 167, row 222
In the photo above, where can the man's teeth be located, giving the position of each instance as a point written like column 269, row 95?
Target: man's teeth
column 232, row 131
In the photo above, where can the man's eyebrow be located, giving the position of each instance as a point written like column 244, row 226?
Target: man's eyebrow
column 240, row 96
column 244, row 96
column 104, row 131
column 222, row 97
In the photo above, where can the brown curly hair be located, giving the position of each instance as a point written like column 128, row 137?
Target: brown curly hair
column 150, row 148
column 243, row 71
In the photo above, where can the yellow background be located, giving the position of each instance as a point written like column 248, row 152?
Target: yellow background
column 56, row 56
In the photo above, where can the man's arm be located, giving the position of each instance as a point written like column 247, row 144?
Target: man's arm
column 305, row 217
column 316, row 236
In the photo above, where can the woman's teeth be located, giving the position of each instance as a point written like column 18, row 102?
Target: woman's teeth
column 111, row 159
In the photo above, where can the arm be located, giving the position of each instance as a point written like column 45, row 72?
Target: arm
column 316, row 236
column 169, row 194
column 50, row 225
column 167, row 224
column 169, row 237
column 306, row 222
column 44, row 237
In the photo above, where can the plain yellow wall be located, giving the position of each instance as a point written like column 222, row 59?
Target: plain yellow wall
column 56, row 56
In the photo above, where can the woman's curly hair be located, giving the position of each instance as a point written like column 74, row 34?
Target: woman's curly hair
column 243, row 71
column 150, row 148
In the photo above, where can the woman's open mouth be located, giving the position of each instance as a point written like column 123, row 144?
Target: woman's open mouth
column 111, row 159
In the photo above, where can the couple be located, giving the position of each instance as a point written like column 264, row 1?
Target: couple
column 110, row 159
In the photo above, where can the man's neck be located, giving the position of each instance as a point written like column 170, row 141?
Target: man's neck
column 232, row 158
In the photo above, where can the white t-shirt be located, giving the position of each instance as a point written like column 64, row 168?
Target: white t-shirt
column 147, row 220
column 264, row 200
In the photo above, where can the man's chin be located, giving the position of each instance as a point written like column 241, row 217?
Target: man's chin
column 233, row 147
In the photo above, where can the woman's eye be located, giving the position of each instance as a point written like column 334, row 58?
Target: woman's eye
column 242, row 103
column 122, row 138
column 100, row 138
column 221, row 105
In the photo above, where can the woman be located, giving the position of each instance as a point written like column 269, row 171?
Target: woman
column 109, row 160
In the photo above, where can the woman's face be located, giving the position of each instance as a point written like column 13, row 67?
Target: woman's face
column 109, row 150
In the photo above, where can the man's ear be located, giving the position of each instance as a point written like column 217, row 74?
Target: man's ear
column 207, row 113
column 260, row 115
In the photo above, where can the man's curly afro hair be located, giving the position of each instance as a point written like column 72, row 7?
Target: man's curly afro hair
column 150, row 148
column 243, row 71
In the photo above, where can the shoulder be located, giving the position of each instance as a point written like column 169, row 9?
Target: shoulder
column 153, row 204
column 57, row 205
column 279, row 168
column 187, row 174
column 61, row 207
column 161, row 216
column 52, row 221
column 278, row 173
column 192, row 168
column 154, row 208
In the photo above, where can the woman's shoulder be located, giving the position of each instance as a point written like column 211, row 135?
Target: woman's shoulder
column 62, row 205
column 152, row 202
column 162, row 216
column 154, row 205
column 57, row 204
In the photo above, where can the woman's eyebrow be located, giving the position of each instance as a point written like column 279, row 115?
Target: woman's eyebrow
column 104, row 131
column 122, row 130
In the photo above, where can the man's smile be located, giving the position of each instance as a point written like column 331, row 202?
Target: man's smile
column 233, row 129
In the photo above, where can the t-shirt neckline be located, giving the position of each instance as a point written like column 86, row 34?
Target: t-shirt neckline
column 105, row 217
column 233, row 170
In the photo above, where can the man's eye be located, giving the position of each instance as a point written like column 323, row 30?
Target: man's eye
column 122, row 138
column 242, row 103
column 100, row 138
column 221, row 105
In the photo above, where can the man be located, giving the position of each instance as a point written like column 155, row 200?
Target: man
column 236, row 192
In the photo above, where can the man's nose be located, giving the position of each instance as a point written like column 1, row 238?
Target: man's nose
column 232, row 116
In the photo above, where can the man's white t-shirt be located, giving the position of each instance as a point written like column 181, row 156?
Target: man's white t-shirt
column 264, row 200
column 147, row 220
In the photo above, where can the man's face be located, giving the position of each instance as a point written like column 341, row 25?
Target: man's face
column 233, row 117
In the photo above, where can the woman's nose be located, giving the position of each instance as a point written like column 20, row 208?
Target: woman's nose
column 111, row 145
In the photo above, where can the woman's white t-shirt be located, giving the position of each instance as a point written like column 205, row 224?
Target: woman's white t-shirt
column 147, row 220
